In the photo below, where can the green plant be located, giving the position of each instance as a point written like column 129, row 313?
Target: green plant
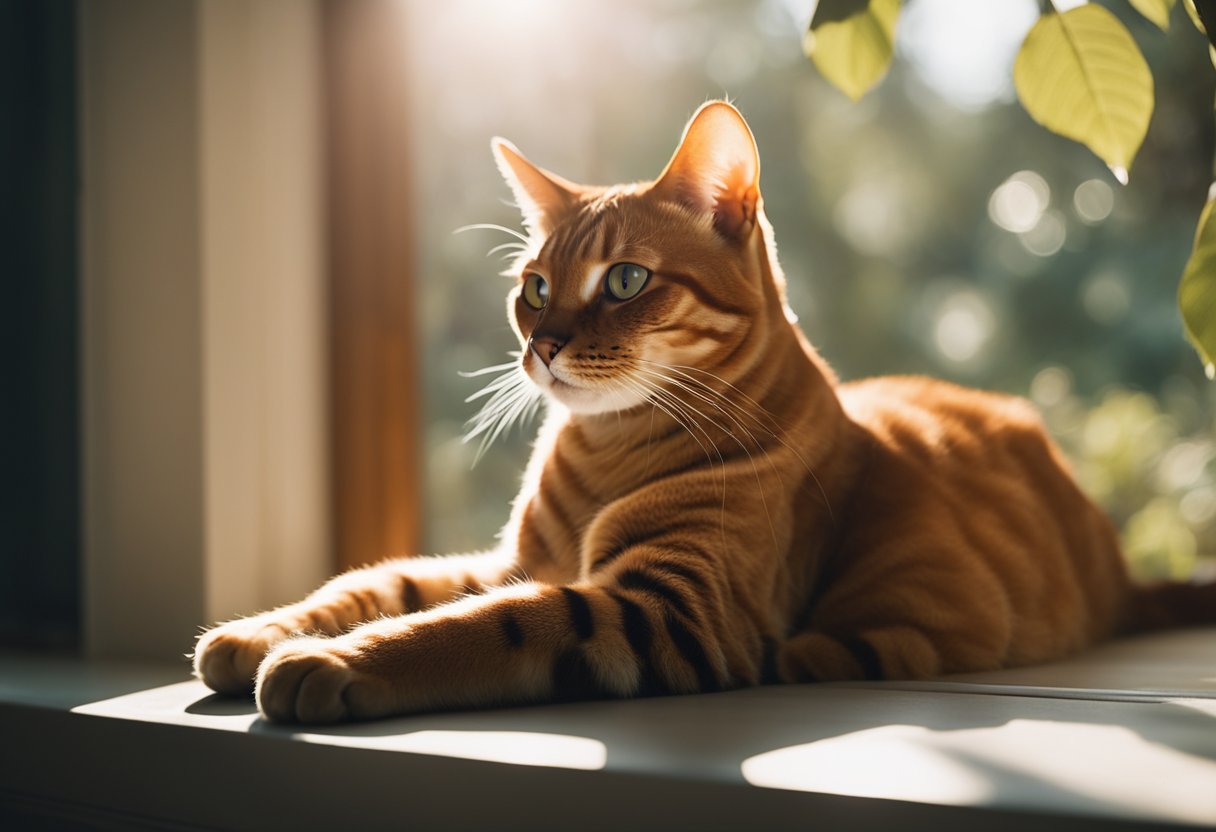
column 1080, row 74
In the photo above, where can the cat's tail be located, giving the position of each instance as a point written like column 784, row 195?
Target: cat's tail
column 1166, row 605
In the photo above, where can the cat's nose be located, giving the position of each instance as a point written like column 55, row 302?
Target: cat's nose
column 546, row 347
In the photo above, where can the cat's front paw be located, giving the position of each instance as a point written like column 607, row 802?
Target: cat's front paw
column 313, row 680
column 227, row 656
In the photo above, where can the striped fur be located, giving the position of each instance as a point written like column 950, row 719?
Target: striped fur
column 707, row 507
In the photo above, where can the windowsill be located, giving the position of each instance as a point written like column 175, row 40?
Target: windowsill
column 1126, row 731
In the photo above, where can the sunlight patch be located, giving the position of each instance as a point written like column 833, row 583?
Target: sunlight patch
column 521, row 748
column 1102, row 763
column 895, row 762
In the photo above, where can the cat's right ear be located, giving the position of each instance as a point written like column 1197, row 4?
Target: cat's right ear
column 716, row 170
column 543, row 197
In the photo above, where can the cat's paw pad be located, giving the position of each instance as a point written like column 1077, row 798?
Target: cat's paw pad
column 227, row 656
column 311, row 680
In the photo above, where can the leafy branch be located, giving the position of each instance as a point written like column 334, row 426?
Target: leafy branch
column 1079, row 73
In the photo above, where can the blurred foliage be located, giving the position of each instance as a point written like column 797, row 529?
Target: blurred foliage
column 929, row 228
column 1197, row 291
column 851, row 41
column 1146, row 461
column 1157, row 11
column 1080, row 74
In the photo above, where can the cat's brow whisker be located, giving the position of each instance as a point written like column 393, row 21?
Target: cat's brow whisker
column 512, row 248
column 489, row 226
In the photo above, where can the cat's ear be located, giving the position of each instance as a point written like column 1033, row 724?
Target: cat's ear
column 543, row 197
column 716, row 169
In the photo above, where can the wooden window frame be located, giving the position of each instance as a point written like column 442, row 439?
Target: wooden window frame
column 374, row 380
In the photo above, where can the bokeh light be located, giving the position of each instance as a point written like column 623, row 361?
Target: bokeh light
column 1093, row 200
column 1019, row 202
column 930, row 228
column 1047, row 236
column 964, row 325
column 963, row 49
column 1106, row 296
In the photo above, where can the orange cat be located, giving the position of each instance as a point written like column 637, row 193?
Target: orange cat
column 706, row 506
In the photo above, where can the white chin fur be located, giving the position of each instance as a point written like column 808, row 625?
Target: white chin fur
column 578, row 399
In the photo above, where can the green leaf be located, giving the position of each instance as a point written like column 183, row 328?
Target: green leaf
column 851, row 42
column 1197, row 291
column 1193, row 14
column 833, row 11
column 1203, row 15
column 1080, row 74
column 1157, row 11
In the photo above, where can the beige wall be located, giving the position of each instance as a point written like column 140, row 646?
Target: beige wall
column 203, row 338
column 263, row 295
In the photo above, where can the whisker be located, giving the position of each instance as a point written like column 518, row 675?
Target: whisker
column 776, row 431
column 489, row 226
column 750, row 457
column 678, row 412
column 681, row 368
column 508, row 416
column 676, row 403
column 654, row 394
column 485, row 371
column 511, row 248
column 510, row 379
column 509, row 398
column 710, row 401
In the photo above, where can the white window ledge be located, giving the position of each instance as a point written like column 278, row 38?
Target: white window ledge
column 1126, row 732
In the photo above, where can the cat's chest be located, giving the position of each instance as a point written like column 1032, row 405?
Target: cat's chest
column 571, row 492
column 569, row 496
column 586, row 491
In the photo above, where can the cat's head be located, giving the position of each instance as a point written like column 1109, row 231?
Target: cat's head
column 619, row 287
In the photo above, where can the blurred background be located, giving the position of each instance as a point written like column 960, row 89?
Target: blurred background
column 241, row 313
column 930, row 228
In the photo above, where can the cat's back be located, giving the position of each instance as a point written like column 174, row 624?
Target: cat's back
column 955, row 446
column 968, row 484
column 937, row 420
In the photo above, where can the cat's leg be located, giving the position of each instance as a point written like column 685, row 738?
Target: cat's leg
column 916, row 639
column 900, row 652
column 640, row 629
column 227, row 656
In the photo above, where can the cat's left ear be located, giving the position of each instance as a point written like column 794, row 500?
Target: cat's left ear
column 716, row 169
column 543, row 197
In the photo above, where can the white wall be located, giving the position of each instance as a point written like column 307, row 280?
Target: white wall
column 203, row 331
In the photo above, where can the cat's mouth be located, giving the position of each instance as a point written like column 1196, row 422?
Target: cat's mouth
column 553, row 380
column 575, row 393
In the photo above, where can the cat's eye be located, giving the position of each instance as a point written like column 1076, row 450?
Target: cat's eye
column 625, row 280
column 536, row 291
